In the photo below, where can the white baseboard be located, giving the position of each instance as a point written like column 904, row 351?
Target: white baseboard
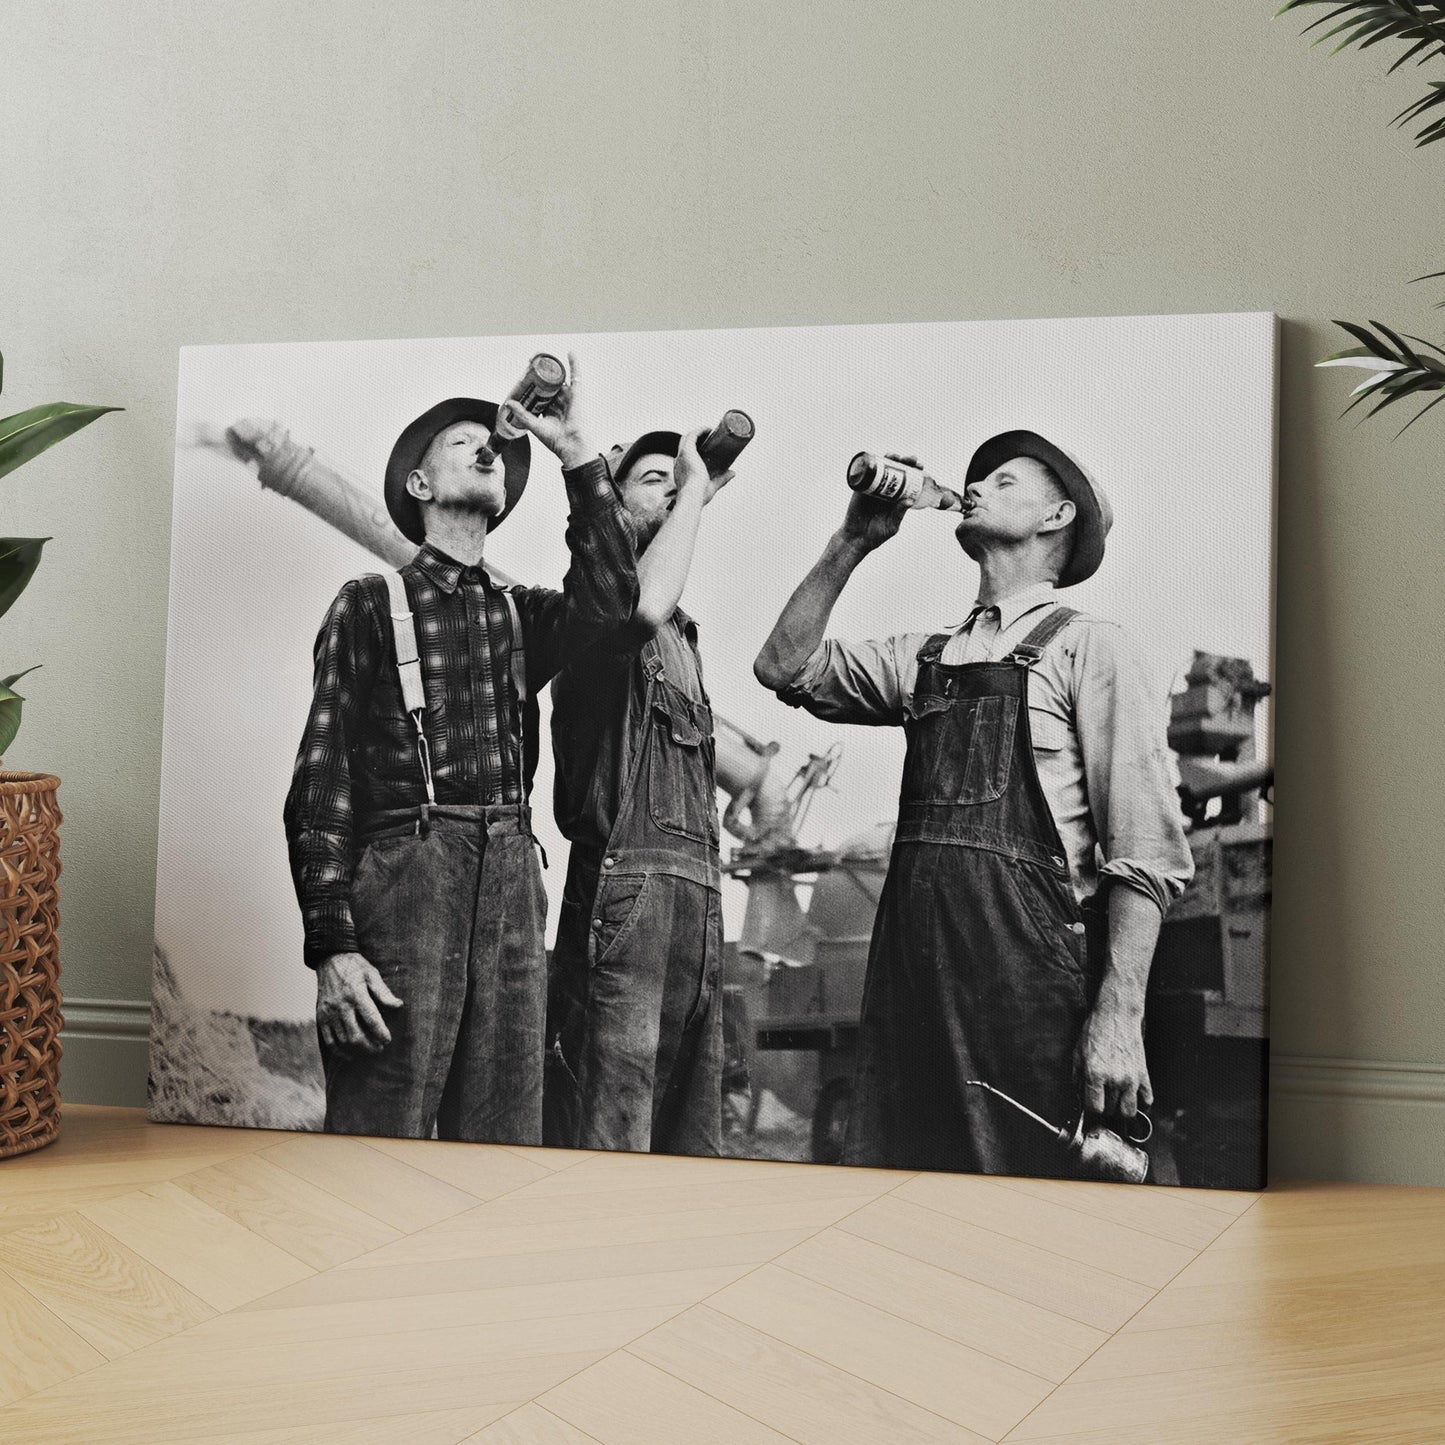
column 106, row 1051
column 1362, row 1120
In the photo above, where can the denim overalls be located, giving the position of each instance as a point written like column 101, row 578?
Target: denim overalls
column 982, row 963
column 635, row 1019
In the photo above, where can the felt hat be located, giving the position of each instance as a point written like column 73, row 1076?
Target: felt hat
column 1093, row 515
column 406, row 457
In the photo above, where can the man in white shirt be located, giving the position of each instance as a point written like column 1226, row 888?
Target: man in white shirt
column 1039, row 839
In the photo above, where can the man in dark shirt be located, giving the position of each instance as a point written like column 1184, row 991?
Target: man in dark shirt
column 407, row 819
column 635, row 1016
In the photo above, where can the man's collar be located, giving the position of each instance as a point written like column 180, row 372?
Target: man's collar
column 1012, row 607
column 444, row 571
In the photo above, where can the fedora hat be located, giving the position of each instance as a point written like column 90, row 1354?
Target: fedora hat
column 406, row 457
column 1092, row 514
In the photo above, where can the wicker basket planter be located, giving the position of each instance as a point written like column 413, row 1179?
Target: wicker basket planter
column 29, row 962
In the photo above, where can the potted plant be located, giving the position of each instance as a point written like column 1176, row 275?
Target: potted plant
column 29, row 845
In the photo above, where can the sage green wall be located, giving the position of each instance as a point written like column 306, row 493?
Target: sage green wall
column 222, row 172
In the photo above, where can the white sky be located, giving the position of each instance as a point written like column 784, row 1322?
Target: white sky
column 1174, row 416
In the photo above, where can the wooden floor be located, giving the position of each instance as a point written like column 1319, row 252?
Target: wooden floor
column 160, row 1283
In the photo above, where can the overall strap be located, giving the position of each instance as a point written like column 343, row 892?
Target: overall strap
column 408, row 664
column 932, row 650
column 1028, row 652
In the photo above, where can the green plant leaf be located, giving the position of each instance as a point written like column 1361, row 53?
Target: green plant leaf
column 1406, row 353
column 19, row 557
column 1393, row 394
column 10, row 705
column 28, row 433
column 1372, row 346
column 1363, row 23
column 1358, row 356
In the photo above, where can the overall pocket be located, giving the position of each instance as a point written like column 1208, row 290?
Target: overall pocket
column 681, row 798
column 960, row 750
column 615, row 914
column 1047, row 900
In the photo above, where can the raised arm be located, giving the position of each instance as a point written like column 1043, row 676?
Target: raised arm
column 799, row 630
column 599, row 592
column 662, row 569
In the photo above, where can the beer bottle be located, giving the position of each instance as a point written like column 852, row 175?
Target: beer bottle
column 893, row 481
column 719, row 447
column 536, row 391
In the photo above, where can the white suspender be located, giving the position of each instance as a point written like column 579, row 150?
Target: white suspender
column 408, row 664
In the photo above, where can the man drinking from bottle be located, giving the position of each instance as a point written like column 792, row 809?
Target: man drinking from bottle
column 408, row 817
column 1039, row 839
column 635, row 1015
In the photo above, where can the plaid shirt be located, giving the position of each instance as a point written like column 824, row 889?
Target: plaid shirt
column 358, row 755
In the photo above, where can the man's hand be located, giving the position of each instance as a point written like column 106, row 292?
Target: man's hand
column 870, row 521
column 348, row 990
column 563, row 429
column 689, row 470
column 1111, row 1062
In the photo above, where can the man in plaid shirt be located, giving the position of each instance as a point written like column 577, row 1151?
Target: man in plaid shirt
column 411, row 846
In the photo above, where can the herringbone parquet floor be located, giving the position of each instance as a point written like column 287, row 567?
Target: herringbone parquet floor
column 160, row 1283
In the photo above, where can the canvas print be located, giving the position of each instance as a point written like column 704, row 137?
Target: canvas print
column 847, row 744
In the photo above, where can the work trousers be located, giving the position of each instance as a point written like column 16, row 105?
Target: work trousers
column 451, row 913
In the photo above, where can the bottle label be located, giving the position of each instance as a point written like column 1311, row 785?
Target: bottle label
column 896, row 483
column 536, row 392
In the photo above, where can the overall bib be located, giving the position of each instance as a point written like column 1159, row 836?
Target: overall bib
column 982, row 963
column 635, row 1022
column 449, row 907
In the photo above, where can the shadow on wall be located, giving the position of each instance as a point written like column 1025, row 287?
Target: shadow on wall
column 219, row 1068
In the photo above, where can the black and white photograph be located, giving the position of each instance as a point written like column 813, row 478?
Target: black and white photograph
column 842, row 744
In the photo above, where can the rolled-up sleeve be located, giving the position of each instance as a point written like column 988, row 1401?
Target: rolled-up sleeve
column 857, row 682
column 1120, row 717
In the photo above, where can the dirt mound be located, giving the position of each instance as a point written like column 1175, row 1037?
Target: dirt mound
column 205, row 1068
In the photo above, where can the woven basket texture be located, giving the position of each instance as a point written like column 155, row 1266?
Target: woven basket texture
column 29, row 962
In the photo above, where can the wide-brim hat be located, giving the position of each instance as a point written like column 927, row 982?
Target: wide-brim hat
column 406, row 457
column 1093, row 515
column 665, row 443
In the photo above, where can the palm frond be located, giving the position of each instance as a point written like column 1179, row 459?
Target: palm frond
column 1397, row 370
column 1420, row 24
